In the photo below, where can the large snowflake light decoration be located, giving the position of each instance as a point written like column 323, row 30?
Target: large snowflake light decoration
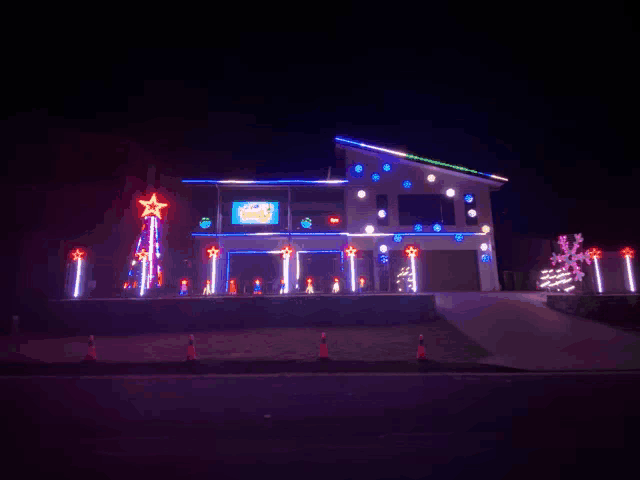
column 570, row 257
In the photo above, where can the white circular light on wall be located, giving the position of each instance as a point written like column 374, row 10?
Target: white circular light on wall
column 472, row 213
column 431, row 178
column 382, row 213
column 486, row 228
column 451, row 192
column 362, row 194
column 383, row 249
column 368, row 229
column 484, row 247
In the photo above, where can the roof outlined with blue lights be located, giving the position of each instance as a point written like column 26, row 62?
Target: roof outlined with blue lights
column 423, row 160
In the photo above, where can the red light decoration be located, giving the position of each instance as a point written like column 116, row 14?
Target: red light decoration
column 334, row 219
column 126, row 285
column 213, row 251
column 142, row 255
column 153, row 207
column 628, row 252
column 361, row 281
column 309, row 281
column 258, row 282
column 184, row 282
column 77, row 254
column 287, row 251
column 595, row 252
column 351, row 251
column 411, row 251
column 336, row 279
column 159, row 278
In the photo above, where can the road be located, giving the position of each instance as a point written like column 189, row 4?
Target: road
column 322, row 426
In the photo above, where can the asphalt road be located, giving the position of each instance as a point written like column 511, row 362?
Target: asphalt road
column 328, row 426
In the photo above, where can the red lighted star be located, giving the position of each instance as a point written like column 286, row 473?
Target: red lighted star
column 351, row 251
column 153, row 207
column 142, row 255
column 411, row 251
column 213, row 251
column 77, row 255
column 286, row 252
column 627, row 252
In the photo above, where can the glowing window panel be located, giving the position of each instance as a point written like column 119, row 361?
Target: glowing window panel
column 368, row 229
column 484, row 247
column 205, row 222
column 468, row 198
column 254, row 213
column 486, row 228
column 362, row 194
column 383, row 249
column 305, row 223
column 431, row 178
column 382, row 213
column 437, row 227
column 417, row 227
column 486, row 258
column 459, row 237
column 386, row 167
column 397, row 238
column 406, row 184
column 358, row 168
column 472, row 213
column 451, row 192
column 375, row 177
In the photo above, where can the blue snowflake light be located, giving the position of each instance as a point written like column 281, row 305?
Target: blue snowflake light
column 417, row 227
column 358, row 168
column 486, row 258
column 437, row 227
column 406, row 184
column 375, row 177
column 383, row 258
column 459, row 237
column 468, row 198
column 386, row 167
column 397, row 238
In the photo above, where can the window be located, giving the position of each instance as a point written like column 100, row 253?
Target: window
column 425, row 209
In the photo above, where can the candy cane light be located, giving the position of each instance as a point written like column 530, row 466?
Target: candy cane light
column 628, row 253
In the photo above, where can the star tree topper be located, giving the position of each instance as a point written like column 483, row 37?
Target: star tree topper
column 153, row 207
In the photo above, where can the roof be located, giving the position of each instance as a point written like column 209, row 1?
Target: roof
column 423, row 160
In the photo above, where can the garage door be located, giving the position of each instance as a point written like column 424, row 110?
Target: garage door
column 446, row 270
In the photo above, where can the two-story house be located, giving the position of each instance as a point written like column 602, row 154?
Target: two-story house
column 357, row 229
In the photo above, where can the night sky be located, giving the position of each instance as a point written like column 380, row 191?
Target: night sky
column 545, row 97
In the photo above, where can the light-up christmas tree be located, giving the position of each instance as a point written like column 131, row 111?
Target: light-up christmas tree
column 145, row 272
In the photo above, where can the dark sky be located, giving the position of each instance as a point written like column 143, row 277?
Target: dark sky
column 545, row 96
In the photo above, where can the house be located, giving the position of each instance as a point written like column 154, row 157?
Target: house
column 394, row 222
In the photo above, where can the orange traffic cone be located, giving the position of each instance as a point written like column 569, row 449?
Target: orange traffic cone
column 91, row 353
column 324, row 351
column 191, row 349
column 421, row 355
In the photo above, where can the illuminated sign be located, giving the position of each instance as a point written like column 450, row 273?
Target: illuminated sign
column 254, row 213
column 334, row 219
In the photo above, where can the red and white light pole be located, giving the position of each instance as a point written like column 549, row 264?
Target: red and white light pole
column 213, row 255
column 286, row 254
column 412, row 251
column 77, row 257
column 596, row 254
column 628, row 253
column 351, row 253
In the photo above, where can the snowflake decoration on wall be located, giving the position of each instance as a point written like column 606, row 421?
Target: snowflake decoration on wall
column 571, row 258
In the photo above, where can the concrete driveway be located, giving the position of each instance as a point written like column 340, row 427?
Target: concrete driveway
column 521, row 332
